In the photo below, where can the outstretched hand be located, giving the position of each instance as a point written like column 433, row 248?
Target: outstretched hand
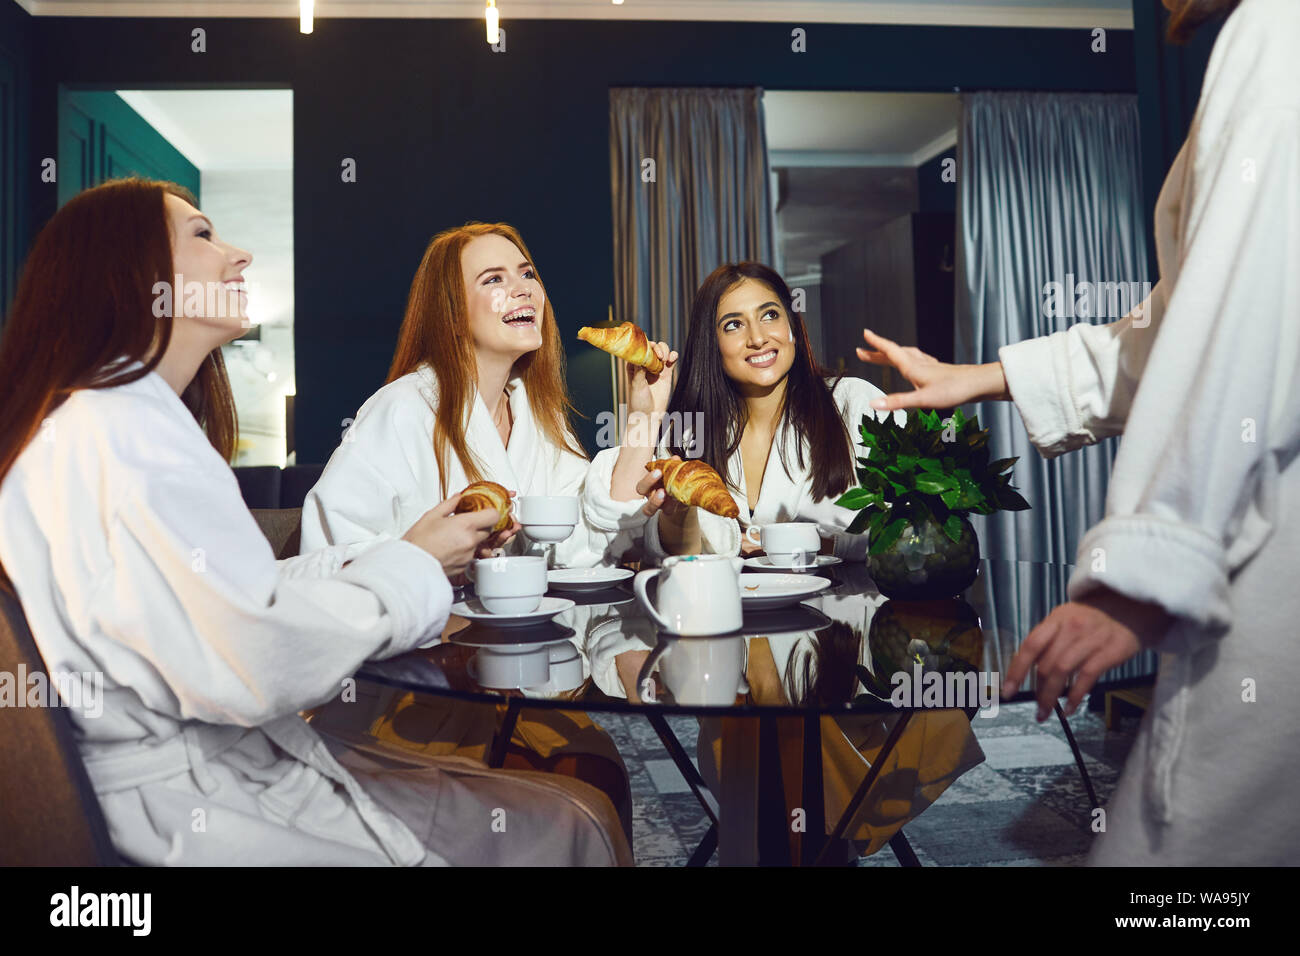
column 1081, row 640
column 937, row 384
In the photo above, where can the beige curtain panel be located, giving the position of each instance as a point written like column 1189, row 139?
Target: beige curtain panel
column 690, row 190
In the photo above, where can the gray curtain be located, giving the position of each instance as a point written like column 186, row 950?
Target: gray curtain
column 1050, row 187
column 708, row 203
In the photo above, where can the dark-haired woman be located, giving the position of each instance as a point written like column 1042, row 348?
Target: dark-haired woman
column 751, row 402
column 149, row 587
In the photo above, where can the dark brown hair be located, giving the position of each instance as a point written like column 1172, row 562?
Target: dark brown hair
column 84, row 312
column 1184, row 22
column 704, row 387
column 435, row 330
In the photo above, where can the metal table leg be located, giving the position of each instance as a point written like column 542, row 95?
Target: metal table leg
column 851, row 810
column 1078, row 757
column 499, row 743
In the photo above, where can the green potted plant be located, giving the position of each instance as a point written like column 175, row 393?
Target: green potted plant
column 916, row 487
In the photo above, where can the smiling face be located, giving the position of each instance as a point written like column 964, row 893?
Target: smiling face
column 504, row 297
column 754, row 336
column 216, row 306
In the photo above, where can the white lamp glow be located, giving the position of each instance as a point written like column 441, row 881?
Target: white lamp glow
column 493, row 18
column 306, row 15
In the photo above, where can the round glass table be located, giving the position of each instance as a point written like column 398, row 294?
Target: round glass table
column 825, row 719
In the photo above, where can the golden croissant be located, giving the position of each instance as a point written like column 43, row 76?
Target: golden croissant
column 487, row 494
column 627, row 342
column 695, row 483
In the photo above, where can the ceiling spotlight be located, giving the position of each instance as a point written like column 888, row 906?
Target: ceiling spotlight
column 493, row 18
column 306, row 15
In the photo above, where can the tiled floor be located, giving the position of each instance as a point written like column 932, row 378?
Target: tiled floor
column 1024, row 806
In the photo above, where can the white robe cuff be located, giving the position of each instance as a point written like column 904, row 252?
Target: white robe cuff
column 1124, row 549
column 1035, row 370
column 411, row 585
column 718, row 535
column 602, row 510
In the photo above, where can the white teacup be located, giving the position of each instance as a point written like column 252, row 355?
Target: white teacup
column 547, row 517
column 506, row 668
column 789, row 544
column 509, row 585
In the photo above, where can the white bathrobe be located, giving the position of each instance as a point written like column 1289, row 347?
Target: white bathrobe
column 383, row 476
column 788, row 496
column 1203, row 511
column 138, row 565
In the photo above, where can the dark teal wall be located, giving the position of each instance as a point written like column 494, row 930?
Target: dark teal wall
column 444, row 130
column 103, row 138
column 15, row 119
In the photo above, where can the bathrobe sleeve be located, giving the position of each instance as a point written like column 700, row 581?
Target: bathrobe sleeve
column 360, row 496
column 1074, row 388
column 1215, row 416
column 195, row 596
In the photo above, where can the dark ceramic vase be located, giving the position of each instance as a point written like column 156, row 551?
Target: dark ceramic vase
column 924, row 564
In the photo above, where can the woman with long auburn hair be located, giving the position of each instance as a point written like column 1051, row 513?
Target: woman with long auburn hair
column 150, row 590
column 476, row 392
column 752, row 403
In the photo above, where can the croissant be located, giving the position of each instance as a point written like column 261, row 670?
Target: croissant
column 487, row 494
column 695, row 483
column 627, row 341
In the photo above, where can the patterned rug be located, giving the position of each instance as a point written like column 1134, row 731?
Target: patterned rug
column 1024, row 806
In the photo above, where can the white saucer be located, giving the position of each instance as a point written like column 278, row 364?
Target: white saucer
column 765, row 591
column 764, row 563
column 586, row 579
column 474, row 611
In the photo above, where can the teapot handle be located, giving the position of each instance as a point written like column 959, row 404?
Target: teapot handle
column 638, row 586
column 644, row 685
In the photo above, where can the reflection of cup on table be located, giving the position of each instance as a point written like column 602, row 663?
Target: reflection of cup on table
column 507, row 668
column 509, row 585
column 547, row 517
column 789, row 544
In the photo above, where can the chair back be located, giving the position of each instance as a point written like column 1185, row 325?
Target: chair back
column 49, row 814
column 282, row 527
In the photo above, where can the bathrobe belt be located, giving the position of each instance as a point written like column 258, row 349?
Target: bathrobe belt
column 189, row 751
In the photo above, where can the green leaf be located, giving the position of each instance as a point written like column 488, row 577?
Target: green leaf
column 859, row 522
column 1002, row 464
column 952, row 528
column 931, row 484
column 855, row 498
column 889, row 535
column 1011, row 500
column 930, row 465
column 951, row 499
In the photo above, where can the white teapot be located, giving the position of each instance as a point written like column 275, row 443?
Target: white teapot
column 698, row 595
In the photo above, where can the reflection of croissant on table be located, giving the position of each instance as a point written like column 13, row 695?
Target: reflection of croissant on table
column 627, row 342
column 695, row 483
column 487, row 494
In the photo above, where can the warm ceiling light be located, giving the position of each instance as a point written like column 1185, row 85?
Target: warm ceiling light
column 493, row 22
column 306, row 11
column 618, row 3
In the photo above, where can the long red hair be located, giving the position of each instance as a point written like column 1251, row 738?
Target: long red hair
column 84, row 311
column 435, row 331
